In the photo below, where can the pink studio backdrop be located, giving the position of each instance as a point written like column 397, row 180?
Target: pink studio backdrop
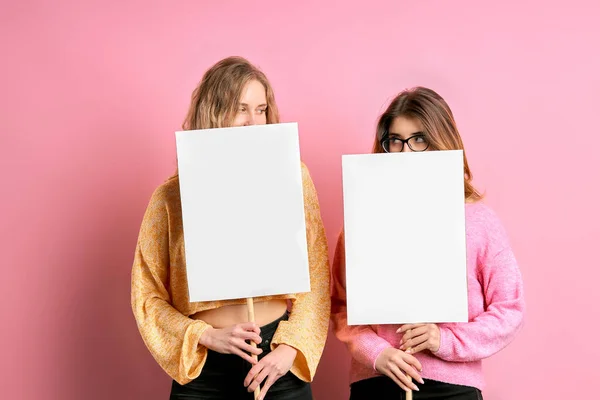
column 93, row 91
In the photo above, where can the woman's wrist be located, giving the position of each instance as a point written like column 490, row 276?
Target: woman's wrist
column 206, row 337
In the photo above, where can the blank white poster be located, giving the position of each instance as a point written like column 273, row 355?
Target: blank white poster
column 404, row 221
column 243, row 211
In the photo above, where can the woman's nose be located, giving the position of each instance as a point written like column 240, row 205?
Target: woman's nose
column 250, row 120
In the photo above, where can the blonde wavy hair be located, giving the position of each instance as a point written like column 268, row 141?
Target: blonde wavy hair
column 215, row 99
column 439, row 126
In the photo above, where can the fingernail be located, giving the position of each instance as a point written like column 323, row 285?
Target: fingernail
column 416, row 388
column 421, row 381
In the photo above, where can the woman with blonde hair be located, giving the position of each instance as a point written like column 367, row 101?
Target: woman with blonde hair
column 443, row 360
column 205, row 346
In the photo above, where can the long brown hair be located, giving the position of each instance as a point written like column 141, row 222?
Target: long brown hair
column 215, row 99
column 439, row 126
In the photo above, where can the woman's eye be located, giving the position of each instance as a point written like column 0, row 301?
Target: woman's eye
column 242, row 109
column 262, row 111
column 420, row 139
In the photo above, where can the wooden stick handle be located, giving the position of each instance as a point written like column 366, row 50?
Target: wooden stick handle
column 409, row 393
column 250, row 303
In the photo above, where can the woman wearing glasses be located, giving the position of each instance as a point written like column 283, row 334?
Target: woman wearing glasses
column 204, row 346
column 443, row 360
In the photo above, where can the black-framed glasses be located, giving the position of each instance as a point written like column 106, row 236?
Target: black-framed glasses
column 395, row 144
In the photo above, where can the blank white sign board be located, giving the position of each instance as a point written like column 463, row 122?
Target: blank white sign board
column 404, row 222
column 243, row 211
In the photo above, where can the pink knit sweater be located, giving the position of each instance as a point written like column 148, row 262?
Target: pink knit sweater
column 496, row 306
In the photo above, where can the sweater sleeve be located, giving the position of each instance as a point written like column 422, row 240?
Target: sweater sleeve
column 308, row 324
column 362, row 341
column 502, row 286
column 171, row 337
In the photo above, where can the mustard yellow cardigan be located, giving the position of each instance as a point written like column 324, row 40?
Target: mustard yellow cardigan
column 164, row 314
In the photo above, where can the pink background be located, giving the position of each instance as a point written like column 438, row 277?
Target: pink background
column 91, row 96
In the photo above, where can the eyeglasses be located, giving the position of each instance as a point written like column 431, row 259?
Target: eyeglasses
column 395, row 144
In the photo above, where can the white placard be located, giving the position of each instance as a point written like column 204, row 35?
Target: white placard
column 404, row 221
column 243, row 211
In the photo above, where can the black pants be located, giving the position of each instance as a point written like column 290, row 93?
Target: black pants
column 383, row 388
column 222, row 377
